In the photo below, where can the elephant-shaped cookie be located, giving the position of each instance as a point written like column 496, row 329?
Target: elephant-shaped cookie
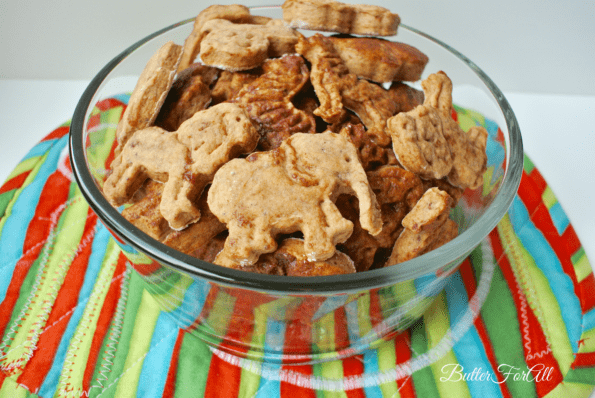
column 292, row 188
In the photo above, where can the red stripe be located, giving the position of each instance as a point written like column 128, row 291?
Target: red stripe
column 41, row 362
column 587, row 293
column 468, row 276
column 571, row 239
column 298, row 340
column 543, row 222
column 535, row 340
column 103, row 322
column 403, row 354
column 108, row 103
column 353, row 367
column 341, row 332
column 57, row 133
column 170, row 382
column 539, row 181
column 584, row 360
column 54, row 194
column 206, row 308
column 15, row 182
column 222, row 372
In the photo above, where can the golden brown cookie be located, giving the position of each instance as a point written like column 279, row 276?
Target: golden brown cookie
column 234, row 13
column 144, row 213
column 380, row 60
column 427, row 227
column 189, row 94
column 237, row 47
column 185, row 160
column 333, row 16
column 149, row 93
column 291, row 189
column 268, row 101
column 291, row 259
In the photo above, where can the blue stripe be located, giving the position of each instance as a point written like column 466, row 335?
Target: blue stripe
column 371, row 367
column 17, row 222
column 559, row 218
column 329, row 305
column 156, row 364
column 40, row 149
column 122, row 98
column 547, row 261
column 352, row 321
column 98, row 252
column 469, row 350
column 421, row 285
column 193, row 303
column 274, row 338
column 589, row 320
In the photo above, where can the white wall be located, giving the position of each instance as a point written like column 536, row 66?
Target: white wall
column 532, row 46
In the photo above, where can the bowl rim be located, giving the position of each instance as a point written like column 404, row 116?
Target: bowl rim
column 461, row 246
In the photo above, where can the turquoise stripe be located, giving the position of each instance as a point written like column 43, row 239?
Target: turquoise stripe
column 156, row 364
column 547, row 260
column 559, row 218
column 11, row 243
column 371, row 367
column 421, row 285
column 352, row 321
column 275, row 336
column 469, row 350
column 40, row 149
column 100, row 240
column 494, row 149
column 193, row 303
column 122, row 98
column 329, row 305
column 589, row 320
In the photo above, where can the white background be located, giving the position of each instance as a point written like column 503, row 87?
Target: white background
column 536, row 46
column 540, row 53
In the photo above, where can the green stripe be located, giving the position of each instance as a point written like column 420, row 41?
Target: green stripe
column 332, row 370
column 528, row 165
column 423, row 379
column 387, row 359
column 71, row 378
column 25, row 165
column 110, row 343
column 504, row 332
column 193, row 368
column 144, row 326
column 438, row 324
column 10, row 389
column 5, row 199
column 135, row 294
column 30, row 178
column 250, row 381
column 539, row 295
column 581, row 375
column 51, row 277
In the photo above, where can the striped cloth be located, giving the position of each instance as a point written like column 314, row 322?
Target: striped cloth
column 517, row 319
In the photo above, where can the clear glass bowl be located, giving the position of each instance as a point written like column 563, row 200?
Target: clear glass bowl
column 292, row 319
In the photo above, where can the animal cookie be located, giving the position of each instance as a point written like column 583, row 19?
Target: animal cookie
column 380, row 60
column 292, row 188
column 233, row 12
column 430, row 143
column 291, row 259
column 238, row 47
column 149, row 93
column 189, row 94
column 336, row 87
column 333, row 16
column 268, row 101
column 185, row 160
column 427, row 227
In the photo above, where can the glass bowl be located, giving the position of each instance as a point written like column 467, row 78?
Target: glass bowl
column 297, row 319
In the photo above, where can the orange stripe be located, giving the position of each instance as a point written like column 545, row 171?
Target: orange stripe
column 403, row 354
column 170, row 382
column 103, row 322
column 53, row 195
column 41, row 362
column 15, row 182
column 57, row 133
column 587, row 293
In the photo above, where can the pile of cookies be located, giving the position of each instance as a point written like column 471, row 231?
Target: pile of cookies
column 259, row 148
